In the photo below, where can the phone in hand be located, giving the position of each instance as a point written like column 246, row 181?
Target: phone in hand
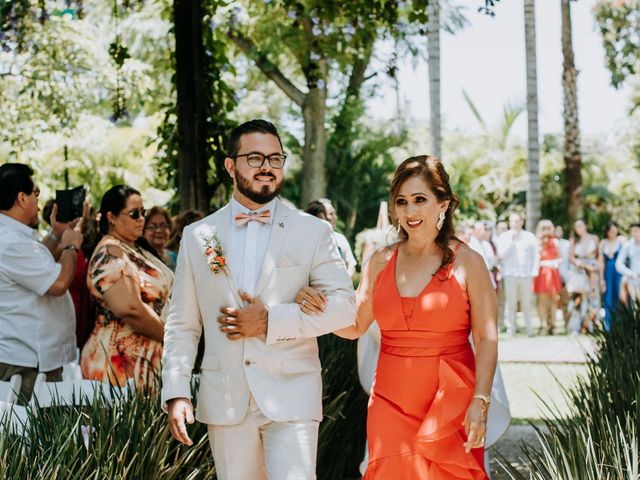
column 70, row 203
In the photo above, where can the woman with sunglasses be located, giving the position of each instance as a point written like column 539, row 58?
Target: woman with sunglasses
column 131, row 287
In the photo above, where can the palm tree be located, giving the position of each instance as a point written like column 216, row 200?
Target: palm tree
column 433, row 51
column 572, row 154
column 533, row 188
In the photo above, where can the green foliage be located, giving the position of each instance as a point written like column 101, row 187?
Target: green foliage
column 128, row 440
column 600, row 437
column 619, row 24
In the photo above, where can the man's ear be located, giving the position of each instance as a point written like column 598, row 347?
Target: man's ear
column 230, row 166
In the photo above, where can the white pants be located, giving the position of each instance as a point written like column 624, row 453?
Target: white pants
column 518, row 288
column 259, row 448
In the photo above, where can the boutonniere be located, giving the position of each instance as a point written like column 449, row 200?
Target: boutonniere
column 214, row 253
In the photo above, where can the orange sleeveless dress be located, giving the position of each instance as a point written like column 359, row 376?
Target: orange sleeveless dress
column 424, row 382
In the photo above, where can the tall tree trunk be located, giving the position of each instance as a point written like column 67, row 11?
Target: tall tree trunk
column 433, row 51
column 314, row 183
column 191, row 100
column 572, row 154
column 533, row 189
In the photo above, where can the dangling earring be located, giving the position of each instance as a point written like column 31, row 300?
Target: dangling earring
column 440, row 223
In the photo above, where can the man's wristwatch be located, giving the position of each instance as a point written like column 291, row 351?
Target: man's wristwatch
column 72, row 247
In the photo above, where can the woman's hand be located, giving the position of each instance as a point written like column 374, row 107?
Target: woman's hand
column 475, row 424
column 311, row 301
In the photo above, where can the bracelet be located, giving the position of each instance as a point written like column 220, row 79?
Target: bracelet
column 485, row 398
column 52, row 235
column 71, row 246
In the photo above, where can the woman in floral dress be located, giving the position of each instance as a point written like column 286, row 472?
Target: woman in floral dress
column 131, row 287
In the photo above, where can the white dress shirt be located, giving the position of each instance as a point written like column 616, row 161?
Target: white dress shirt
column 345, row 251
column 519, row 256
column 36, row 329
column 249, row 245
column 631, row 251
column 484, row 248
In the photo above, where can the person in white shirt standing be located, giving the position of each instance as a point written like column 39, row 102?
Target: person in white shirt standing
column 237, row 277
column 478, row 242
column 343, row 244
column 37, row 318
column 631, row 252
column 520, row 262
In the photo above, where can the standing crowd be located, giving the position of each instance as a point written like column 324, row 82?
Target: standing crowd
column 577, row 283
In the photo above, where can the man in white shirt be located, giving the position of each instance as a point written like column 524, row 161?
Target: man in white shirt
column 237, row 277
column 478, row 243
column 343, row 244
column 520, row 261
column 631, row 252
column 37, row 318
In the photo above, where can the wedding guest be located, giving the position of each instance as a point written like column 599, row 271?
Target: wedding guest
column 182, row 220
column 631, row 252
column 427, row 293
column 477, row 241
column 131, row 287
column 519, row 262
column 610, row 278
column 343, row 244
column 547, row 285
column 582, row 284
column 37, row 319
column 157, row 227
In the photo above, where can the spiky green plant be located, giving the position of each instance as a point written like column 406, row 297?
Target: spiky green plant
column 599, row 438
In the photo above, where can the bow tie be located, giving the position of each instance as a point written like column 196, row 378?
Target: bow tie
column 262, row 217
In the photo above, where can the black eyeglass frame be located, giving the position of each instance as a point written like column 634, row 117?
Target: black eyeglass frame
column 263, row 158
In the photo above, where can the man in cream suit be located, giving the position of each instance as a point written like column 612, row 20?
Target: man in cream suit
column 238, row 273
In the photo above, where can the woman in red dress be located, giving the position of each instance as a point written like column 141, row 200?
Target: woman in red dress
column 428, row 408
column 548, row 284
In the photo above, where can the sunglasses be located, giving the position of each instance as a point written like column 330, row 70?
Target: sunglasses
column 137, row 213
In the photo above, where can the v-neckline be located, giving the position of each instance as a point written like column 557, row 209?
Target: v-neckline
column 395, row 280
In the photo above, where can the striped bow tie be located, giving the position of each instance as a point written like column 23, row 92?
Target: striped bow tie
column 262, row 217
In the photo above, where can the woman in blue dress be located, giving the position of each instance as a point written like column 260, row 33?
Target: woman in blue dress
column 610, row 279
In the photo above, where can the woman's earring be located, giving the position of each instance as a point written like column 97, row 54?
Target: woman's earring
column 440, row 223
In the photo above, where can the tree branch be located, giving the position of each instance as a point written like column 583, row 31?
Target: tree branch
column 267, row 67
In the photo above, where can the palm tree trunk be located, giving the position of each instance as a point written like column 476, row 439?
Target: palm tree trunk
column 533, row 190
column 572, row 154
column 433, row 50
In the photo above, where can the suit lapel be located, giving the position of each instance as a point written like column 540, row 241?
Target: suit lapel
column 220, row 226
column 276, row 241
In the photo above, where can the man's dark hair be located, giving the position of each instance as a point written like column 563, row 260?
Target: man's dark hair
column 252, row 126
column 316, row 208
column 14, row 178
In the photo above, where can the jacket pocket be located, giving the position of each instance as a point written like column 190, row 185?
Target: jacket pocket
column 301, row 365
column 210, row 362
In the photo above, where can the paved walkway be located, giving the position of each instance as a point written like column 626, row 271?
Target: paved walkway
column 545, row 349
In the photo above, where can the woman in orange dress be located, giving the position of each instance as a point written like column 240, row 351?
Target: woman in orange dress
column 131, row 288
column 428, row 409
column 548, row 284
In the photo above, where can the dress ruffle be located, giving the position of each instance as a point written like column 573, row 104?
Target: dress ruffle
column 441, row 436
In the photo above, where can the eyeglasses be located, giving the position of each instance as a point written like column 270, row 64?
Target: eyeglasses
column 136, row 213
column 256, row 159
column 153, row 227
column 36, row 191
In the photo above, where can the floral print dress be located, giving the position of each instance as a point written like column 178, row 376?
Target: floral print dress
column 115, row 352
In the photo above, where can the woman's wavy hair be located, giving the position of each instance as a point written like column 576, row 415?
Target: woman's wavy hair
column 431, row 170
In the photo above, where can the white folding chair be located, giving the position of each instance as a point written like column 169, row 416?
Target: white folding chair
column 9, row 390
column 76, row 392
column 71, row 371
column 13, row 417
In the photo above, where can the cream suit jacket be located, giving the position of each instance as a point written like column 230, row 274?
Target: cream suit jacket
column 281, row 370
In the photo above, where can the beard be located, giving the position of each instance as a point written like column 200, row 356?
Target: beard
column 262, row 196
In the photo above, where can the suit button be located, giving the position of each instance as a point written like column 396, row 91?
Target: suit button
column 247, row 362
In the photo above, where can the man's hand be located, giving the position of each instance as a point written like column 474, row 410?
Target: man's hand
column 58, row 228
column 246, row 322
column 180, row 409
